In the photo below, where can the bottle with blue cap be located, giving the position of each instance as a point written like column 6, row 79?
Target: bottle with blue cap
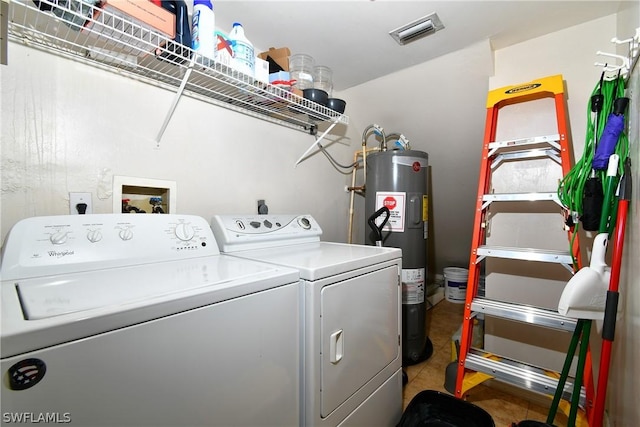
column 203, row 30
column 243, row 56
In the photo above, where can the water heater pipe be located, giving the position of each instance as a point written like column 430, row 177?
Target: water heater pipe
column 353, row 189
column 383, row 145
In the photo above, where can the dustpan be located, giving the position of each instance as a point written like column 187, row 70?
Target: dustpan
column 585, row 294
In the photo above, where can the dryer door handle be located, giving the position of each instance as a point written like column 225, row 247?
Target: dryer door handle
column 336, row 347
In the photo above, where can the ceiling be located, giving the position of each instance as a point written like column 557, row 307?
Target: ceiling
column 352, row 36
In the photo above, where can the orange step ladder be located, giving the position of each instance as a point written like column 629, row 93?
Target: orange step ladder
column 476, row 365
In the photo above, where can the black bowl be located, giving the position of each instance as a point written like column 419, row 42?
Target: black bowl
column 337, row 104
column 316, row 95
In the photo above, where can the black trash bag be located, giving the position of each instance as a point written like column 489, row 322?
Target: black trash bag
column 431, row 408
column 531, row 423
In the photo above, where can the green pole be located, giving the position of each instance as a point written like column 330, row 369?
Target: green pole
column 553, row 410
column 582, row 356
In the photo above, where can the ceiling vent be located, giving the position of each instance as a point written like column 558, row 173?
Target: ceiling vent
column 417, row 29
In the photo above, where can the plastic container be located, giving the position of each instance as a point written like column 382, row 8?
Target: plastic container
column 455, row 284
column 301, row 67
column 83, row 9
column 323, row 78
column 179, row 51
column 203, row 28
column 243, row 56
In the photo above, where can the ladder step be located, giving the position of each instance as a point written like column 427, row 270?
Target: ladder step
column 521, row 197
column 552, row 153
column 524, row 313
column 546, row 139
column 487, row 199
column 526, row 254
column 519, row 374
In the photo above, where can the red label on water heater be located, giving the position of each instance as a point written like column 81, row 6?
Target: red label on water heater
column 395, row 201
column 416, row 166
column 389, row 202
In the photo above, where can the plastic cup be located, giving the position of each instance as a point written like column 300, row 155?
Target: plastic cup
column 301, row 68
column 323, row 78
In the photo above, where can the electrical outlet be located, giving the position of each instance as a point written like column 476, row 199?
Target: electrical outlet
column 263, row 209
column 77, row 202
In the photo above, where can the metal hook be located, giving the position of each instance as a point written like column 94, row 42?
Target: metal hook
column 624, row 59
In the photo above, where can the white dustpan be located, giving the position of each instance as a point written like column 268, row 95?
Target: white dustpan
column 585, row 294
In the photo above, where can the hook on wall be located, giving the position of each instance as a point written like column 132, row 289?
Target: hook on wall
column 621, row 68
column 627, row 63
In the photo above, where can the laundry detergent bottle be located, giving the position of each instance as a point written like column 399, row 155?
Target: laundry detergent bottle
column 203, row 39
column 243, row 56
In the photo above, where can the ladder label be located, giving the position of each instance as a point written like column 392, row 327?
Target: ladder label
column 523, row 88
column 395, row 201
column 551, row 85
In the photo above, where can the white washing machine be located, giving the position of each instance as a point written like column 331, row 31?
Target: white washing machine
column 352, row 315
column 138, row 320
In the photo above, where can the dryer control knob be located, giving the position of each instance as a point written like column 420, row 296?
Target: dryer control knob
column 185, row 232
column 126, row 234
column 59, row 237
column 304, row 223
column 94, row 236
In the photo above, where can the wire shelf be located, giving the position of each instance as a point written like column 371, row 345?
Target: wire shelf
column 82, row 32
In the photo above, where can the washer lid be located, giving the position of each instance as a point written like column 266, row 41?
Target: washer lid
column 41, row 298
column 319, row 260
column 45, row 311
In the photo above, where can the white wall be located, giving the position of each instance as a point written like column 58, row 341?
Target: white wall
column 70, row 127
column 623, row 386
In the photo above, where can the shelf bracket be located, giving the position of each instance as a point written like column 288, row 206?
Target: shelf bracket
column 176, row 98
column 317, row 140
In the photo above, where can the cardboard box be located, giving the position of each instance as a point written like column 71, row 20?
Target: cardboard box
column 144, row 12
column 280, row 56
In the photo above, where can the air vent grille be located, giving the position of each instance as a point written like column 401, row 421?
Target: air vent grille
column 417, row 29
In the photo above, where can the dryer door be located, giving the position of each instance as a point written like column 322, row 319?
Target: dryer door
column 360, row 333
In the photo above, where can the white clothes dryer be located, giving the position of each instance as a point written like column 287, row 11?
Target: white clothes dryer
column 138, row 320
column 352, row 315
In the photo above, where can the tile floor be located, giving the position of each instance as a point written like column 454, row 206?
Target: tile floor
column 505, row 408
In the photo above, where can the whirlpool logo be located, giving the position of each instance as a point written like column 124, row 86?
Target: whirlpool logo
column 60, row 254
column 523, row 88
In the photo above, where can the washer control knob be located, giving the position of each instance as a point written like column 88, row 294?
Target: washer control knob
column 304, row 223
column 94, row 236
column 59, row 237
column 126, row 234
column 184, row 232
